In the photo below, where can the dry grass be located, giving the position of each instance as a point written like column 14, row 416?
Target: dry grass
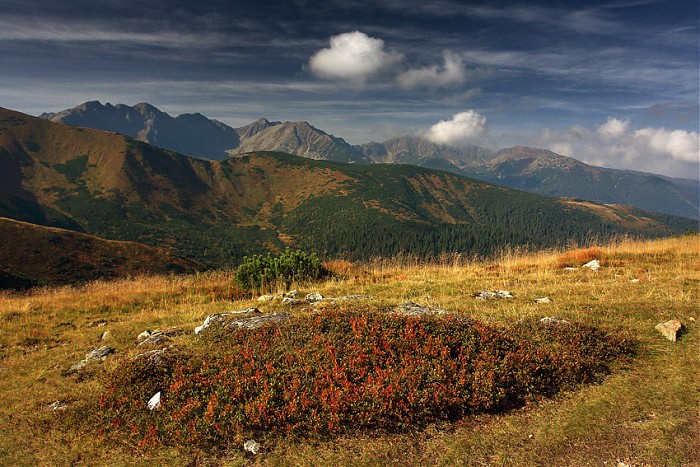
column 644, row 414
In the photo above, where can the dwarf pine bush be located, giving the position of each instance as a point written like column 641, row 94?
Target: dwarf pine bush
column 261, row 272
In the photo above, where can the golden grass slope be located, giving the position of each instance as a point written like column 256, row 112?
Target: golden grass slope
column 47, row 255
column 645, row 413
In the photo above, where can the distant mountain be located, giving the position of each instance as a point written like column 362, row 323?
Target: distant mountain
column 196, row 135
column 533, row 170
column 192, row 134
column 298, row 138
column 545, row 172
column 115, row 187
column 420, row 151
column 35, row 255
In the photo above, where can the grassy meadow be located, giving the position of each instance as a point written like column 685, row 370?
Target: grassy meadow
column 645, row 412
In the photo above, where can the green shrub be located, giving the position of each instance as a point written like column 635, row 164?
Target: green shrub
column 261, row 272
column 348, row 370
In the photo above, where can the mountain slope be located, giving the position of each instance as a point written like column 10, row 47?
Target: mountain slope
column 534, row 170
column 542, row 171
column 217, row 211
column 36, row 255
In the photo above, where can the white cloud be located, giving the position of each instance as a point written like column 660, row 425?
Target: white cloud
column 353, row 57
column 616, row 144
column 613, row 128
column 449, row 74
column 462, row 128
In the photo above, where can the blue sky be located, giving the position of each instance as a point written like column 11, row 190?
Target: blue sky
column 612, row 83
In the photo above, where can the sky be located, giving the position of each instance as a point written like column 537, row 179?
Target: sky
column 612, row 83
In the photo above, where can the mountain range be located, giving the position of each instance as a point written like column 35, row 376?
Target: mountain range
column 215, row 212
column 529, row 169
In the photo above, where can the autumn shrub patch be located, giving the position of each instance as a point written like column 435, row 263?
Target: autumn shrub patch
column 347, row 370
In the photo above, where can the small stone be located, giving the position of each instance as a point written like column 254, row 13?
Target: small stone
column 593, row 265
column 143, row 336
column 553, row 320
column 492, row 294
column 266, row 298
column 156, row 338
column 58, row 405
column 671, row 330
column 355, row 297
column 634, row 281
column 414, row 309
column 569, row 268
column 314, row 297
column 219, row 318
column 153, row 356
column 105, row 336
column 292, row 293
column 154, row 402
column 691, row 319
column 255, row 322
column 252, row 446
column 98, row 323
column 543, row 300
column 99, row 354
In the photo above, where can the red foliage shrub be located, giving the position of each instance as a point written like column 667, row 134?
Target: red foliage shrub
column 350, row 370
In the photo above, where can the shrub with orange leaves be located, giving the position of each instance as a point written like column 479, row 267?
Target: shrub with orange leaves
column 348, row 370
column 579, row 257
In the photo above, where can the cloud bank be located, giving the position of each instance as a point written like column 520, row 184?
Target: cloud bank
column 353, row 57
column 460, row 129
column 616, row 144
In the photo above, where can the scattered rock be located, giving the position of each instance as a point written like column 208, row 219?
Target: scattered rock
column 154, row 402
column 58, row 405
column 156, row 338
column 593, row 264
column 553, row 320
column 256, row 321
column 671, row 330
column 414, row 309
column 569, row 268
column 252, row 446
column 96, row 354
column 634, row 281
column 219, row 318
column 543, row 300
column 493, row 294
column 143, row 336
column 692, row 319
column 266, row 298
column 99, row 353
column 98, row 323
column 105, row 336
column 314, row 297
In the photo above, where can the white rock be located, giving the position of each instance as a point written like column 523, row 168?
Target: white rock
column 266, row 298
column 634, row 281
column 252, row 446
column 105, row 336
column 594, row 265
column 291, row 301
column 543, row 300
column 569, row 268
column 143, row 336
column 553, row 320
column 154, row 402
column 314, row 297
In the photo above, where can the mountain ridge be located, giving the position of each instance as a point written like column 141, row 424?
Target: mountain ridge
column 216, row 212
